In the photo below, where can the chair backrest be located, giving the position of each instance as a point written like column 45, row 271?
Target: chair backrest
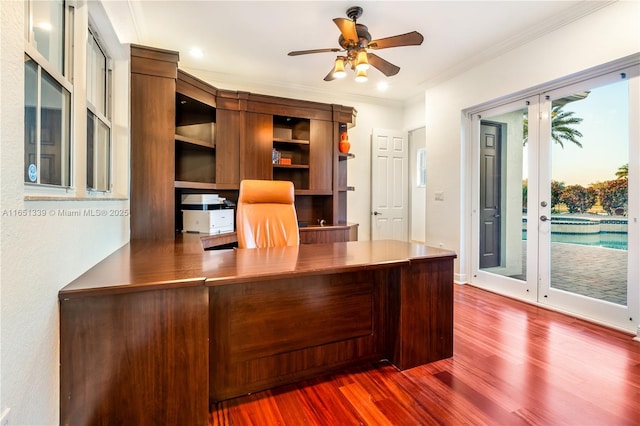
column 266, row 214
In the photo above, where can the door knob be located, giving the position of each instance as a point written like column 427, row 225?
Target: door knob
column 544, row 218
column 376, row 213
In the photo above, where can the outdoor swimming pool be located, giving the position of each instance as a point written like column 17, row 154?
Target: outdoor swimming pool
column 589, row 231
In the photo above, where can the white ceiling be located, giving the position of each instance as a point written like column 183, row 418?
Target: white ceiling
column 248, row 41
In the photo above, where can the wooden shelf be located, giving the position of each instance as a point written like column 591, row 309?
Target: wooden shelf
column 291, row 166
column 192, row 141
column 181, row 184
column 311, row 192
column 296, row 141
column 347, row 156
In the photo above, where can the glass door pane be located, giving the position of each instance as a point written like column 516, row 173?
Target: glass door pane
column 503, row 194
column 589, row 192
column 555, row 196
column 587, row 145
column 502, row 258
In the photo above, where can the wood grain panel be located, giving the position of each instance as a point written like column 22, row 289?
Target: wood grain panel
column 343, row 114
column 274, row 105
column 152, row 153
column 286, row 316
column 280, row 331
column 256, row 146
column 154, row 62
column 321, row 153
column 227, row 147
column 195, row 88
column 135, row 359
column 195, row 163
column 155, row 53
column 425, row 305
column 315, row 235
column 287, row 110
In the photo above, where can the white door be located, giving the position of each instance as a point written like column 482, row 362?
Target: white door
column 389, row 176
column 504, row 259
column 588, row 199
column 568, row 199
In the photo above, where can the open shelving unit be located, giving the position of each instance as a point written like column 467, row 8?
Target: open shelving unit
column 291, row 143
column 190, row 137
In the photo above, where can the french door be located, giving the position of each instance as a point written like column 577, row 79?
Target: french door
column 556, row 195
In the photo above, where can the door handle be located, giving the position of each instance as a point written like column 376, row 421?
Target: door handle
column 544, row 218
column 376, row 213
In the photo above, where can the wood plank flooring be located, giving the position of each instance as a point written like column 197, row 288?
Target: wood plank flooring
column 513, row 364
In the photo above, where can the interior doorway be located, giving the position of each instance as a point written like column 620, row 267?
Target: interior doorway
column 389, row 193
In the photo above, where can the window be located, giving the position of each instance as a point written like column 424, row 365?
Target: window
column 48, row 94
column 98, row 117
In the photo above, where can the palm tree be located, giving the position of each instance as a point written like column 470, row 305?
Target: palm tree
column 561, row 130
column 623, row 171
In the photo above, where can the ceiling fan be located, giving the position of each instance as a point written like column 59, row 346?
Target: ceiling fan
column 355, row 41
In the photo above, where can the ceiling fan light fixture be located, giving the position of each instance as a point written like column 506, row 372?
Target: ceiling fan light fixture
column 338, row 69
column 362, row 63
column 361, row 76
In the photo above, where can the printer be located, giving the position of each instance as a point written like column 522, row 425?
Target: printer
column 207, row 213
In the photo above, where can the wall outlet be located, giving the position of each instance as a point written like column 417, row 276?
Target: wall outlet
column 4, row 418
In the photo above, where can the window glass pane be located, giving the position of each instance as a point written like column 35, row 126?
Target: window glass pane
column 90, row 149
column 98, row 153
column 503, row 194
column 54, row 132
column 30, row 108
column 47, row 27
column 96, row 76
column 104, row 150
column 589, row 193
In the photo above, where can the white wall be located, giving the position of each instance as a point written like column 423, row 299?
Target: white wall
column 608, row 34
column 41, row 254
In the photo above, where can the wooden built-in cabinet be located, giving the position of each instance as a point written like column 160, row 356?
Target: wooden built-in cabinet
column 190, row 137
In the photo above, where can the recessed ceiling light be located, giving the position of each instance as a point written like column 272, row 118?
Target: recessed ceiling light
column 382, row 86
column 196, row 52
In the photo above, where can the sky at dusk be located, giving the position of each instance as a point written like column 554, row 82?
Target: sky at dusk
column 605, row 141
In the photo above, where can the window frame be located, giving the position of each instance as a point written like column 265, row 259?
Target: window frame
column 93, row 37
column 65, row 80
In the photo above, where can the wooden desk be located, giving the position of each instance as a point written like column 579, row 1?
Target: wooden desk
column 157, row 330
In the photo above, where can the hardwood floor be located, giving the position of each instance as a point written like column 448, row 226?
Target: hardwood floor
column 513, row 364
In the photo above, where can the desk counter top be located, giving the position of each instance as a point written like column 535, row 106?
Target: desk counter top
column 158, row 331
column 148, row 265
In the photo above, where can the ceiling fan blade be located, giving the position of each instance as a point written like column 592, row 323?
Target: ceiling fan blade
column 306, row 52
column 347, row 28
column 330, row 77
column 413, row 38
column 385, row 67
